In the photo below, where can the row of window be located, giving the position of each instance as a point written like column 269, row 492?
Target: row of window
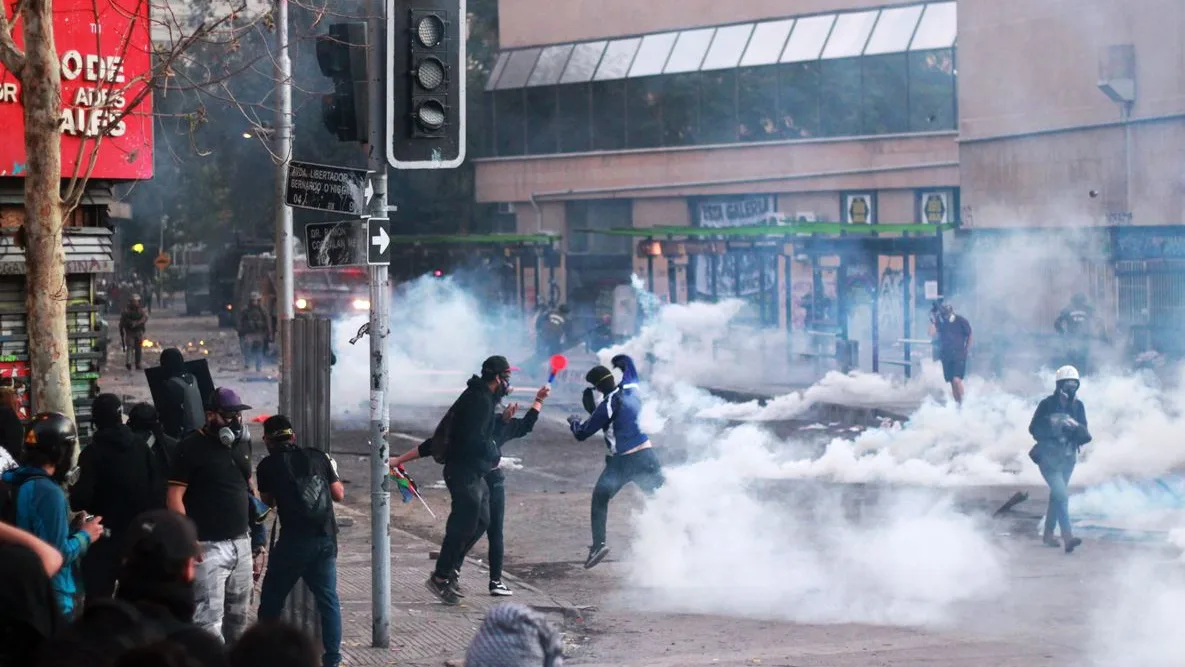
column 889, row 94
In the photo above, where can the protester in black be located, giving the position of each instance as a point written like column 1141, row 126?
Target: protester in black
column 465, row 442
column 302, row 484
column 28, row 615
column 954, row 344
column 181, row 412
column 273, row 643
column 143, row 421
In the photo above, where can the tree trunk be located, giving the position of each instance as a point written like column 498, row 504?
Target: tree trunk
column 45, row 258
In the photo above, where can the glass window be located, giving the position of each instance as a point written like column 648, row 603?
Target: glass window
column 689, row 51
column 583, row 62
column 757, row 100
column 541, row 121
column 601, row 215
column 497, row 71
column 550, row 66
column 886, row 94
column 643, row 113
column 510, row 114
column 938, row 28
column 839, row 98
column 932, row 90
column 680, row 113
column 766, row 45
column 727, row 47
column 618, row 58
column 798, row 100
column 608, row 115
column 718, row 107
column 518, row 69
column 574, row 124
column 807, row 39
column 893, row 31
column 652, row 55
column 849, row 35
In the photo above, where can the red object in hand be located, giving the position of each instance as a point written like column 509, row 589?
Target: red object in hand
column 558, row 363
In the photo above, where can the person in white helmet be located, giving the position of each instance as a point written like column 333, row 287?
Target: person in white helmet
column 1059, row 426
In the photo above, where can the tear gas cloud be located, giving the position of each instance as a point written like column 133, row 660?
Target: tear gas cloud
column 1137, row 622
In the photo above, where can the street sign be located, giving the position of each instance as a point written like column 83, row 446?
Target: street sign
column 162, row 261
column 330, row 244
column 378, row 241
column 325, row 188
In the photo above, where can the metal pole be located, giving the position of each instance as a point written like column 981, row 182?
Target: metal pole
column 285, row 294
column 380, row 290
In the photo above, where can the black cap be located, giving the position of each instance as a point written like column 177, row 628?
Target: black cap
column 142, row 416
column 278, row 427
column 494, row 366
column 162, row 535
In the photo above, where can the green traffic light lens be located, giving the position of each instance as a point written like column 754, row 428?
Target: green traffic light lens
column 430, row 114
column 429, row 31
column 430, row 73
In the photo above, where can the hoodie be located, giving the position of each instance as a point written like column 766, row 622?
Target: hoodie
column 183, row 411
column 41, row 509
column 115, row 479
column 472, row 445
column 617, row 415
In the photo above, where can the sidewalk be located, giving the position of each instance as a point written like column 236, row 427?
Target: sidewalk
column 423, row 631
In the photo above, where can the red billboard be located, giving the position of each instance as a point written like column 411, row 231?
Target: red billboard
column 104, row 48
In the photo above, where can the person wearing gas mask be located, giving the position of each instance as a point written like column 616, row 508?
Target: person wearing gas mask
column 464, row 442
column 1059, row 426
column 210, row 483
column 115, row 481
column 953, row 333
column 631, row 457
column 41, row 506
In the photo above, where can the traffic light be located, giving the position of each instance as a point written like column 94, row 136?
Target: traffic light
column 342, row 57
column 427, row 84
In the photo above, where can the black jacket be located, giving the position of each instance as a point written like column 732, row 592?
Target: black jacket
column 472, row 446
column 115, row 479
column 1052, row 434
column 503, row 432
column 163, row 450
column 12, row 431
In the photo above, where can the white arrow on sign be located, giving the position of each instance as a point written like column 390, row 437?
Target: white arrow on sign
column 382, row 240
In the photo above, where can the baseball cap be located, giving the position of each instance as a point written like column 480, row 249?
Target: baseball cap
column 495, row 365
column 226, row 399
column 162, row 534
column 278, row 427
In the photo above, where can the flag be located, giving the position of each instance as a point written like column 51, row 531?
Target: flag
column 407, row 487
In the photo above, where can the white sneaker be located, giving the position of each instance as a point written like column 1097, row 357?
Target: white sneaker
column 499, row 589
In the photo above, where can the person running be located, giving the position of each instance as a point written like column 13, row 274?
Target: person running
column 1059, row 426
column 505, row 429
column 631, row 457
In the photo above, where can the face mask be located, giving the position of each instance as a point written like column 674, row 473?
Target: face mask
column 503, row 389
column 231, row 431
column 1069, row 390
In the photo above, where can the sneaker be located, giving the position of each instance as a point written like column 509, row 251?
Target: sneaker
column 499, row 589
column 596, row 554
column 1073, row 543
column 443, row 590
column 455, row 582
column 1051, row 541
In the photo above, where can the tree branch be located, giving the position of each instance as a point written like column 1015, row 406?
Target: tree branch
column 11, row 55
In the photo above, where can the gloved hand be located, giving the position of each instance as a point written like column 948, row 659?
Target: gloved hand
column 574, row 421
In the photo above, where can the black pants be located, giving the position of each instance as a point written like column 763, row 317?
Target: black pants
column 469, row 516
column 496, row 484
column 641, row 468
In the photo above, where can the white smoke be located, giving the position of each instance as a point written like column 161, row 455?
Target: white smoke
column 1138, row 622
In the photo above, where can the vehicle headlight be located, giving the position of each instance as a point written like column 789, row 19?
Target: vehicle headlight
column 301, row 304
column 361, row 304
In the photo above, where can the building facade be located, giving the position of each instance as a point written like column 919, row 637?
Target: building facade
column 993, row 115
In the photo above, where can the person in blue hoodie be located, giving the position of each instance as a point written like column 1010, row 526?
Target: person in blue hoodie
column 631, row 457
column 41, row 506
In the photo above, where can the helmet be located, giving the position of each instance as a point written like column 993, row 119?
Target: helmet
column 52, row 435
column 1066, row 373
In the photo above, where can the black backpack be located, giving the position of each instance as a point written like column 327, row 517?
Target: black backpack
column 312, row 491
column 442, row 436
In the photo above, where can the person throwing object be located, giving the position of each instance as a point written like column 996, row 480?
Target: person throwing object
column 631, row 457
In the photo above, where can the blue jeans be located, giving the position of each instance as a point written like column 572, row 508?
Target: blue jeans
column 313, row 559
column 1057, row 475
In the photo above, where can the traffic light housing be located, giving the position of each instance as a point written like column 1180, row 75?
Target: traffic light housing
column 341, row 54
column 426, row 98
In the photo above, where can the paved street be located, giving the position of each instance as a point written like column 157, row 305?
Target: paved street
column 1049, row 609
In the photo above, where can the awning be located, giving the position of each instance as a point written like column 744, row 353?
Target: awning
column 88, row 250
column 873, row 32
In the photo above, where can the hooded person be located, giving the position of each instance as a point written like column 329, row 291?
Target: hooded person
column 182, row 412
column 116, row 482
column 630, row 457
column 145, row 424
column 514, row 635
column 1059, row 426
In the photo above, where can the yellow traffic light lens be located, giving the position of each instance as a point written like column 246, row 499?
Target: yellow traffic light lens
column 430, row 73
column 429, row 31
column 138, row 248
column 430, row 114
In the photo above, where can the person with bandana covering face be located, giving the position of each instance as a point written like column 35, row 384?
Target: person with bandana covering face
column 1059, row 426
column 41, row 505
column 469, row 451
column 210, row 483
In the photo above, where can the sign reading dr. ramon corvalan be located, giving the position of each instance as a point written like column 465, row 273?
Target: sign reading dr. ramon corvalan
column 104, row 52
